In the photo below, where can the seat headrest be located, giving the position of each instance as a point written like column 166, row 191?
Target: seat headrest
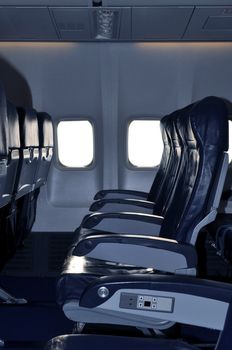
column 163, row 125
column 45, row 130
column 209, row 120
column 13, row 124
column 184, row 127
column 171, row 129
column 29, row 130
column 3, row 123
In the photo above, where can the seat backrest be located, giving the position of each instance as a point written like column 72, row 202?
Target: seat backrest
column 46, row 145
column 3, row 143
column 27, row 204
column 29, row 139
column 157, row 183
column 171, row 174
column 204, row 132
column 13, row 153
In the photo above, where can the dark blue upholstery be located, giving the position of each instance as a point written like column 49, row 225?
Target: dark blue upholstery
column 14, row 150
column 203, row 132
column 186, row 196
column 205, row 136
column 155, row 192
column 4, row 146
column 28, row 203
column 46, row 145
column 29, row 138
column 164, row 163
column 165, row 178
column 170, row 176
column 97, row 342
column 225, row 339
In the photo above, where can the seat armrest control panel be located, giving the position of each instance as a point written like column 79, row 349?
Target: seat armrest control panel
column 146, row 302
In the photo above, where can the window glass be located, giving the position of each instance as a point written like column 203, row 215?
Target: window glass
column 145, row 145
column 75, row 143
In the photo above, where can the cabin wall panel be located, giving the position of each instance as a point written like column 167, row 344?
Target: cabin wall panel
column 111, row 83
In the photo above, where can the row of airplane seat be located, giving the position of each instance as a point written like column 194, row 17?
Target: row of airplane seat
column 156, row 200
column 26, row 149
column 140, row 268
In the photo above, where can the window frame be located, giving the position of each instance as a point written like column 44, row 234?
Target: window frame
column 58, row 163
column 127, row 161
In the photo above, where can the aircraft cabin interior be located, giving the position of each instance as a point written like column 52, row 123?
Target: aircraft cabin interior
column 116, row 174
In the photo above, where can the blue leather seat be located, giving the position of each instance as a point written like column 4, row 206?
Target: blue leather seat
column 4, row 149
column 13, row 164
column 38, row 167
column 9, row 172
column 193, row 202
column 154, row 190
column 157, row 199
column 26, row 205
column 100, row 342
column 144, row 243
column 46, row 145
column 191, row 301
column 29, row 138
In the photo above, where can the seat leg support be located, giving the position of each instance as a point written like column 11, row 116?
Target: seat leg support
column 10, row 299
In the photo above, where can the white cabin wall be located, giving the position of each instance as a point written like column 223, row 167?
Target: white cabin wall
column 110, row 83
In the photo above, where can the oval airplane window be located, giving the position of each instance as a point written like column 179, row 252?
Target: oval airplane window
column 145, row 145
column 75, row 143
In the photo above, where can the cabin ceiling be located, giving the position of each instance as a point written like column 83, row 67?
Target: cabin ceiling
column 115, row 20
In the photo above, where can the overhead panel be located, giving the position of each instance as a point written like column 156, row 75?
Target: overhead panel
column 210, row 23
column 112, row 23
column 72, row 23
column 97, row 23
column 45, row 2
column 105, row 23
column 163, row 2
column 160, row 23
column 26, row 23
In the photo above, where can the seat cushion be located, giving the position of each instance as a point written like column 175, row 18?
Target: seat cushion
column 101, row 342
column 224, row 241
column 79, row 272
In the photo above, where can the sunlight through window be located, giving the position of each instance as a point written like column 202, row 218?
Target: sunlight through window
column 75, row 143
column 145, row 144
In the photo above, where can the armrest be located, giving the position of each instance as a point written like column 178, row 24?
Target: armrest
column 124, row 223
column 181, row 299
column 139, row 250
column 120, row 204
column 120, row 194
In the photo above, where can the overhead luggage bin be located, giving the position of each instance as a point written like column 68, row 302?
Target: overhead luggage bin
column 210, row 23
column 45, row 2
column 26, row 23
column 72, row 23
column 122, row 3
column 160, row 23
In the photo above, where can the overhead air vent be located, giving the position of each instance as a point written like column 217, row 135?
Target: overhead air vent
column 106, row 24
